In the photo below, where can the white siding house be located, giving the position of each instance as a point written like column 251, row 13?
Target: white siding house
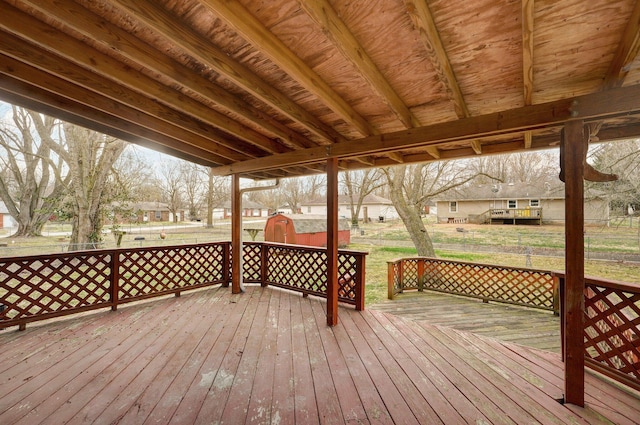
column 374, row 208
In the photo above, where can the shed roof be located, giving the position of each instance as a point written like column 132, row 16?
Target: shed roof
column 310, row 223
column 274, row 88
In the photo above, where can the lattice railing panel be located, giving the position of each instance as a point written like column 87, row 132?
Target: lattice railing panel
column 252, row 263
column 532, row 288
column 410, row 275
column 297, row 268
column 348, row 280
column 53, row 284
column 150, row 271
column 612, row 330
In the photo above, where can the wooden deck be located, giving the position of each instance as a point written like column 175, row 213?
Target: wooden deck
column 521, row 325
column 267, row 356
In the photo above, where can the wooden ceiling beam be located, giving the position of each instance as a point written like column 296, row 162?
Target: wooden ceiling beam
column 23, row 94
column 527, row 49
column 325, row 16
column 237, row 17
column 627, row 52
column 153, row 15
column 94, row 27
column 101, row 65
column 601, row 105
column 39, row 80
column 425, row 24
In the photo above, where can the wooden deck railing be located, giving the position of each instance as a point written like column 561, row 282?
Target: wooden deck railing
column 304, row 269
column 611, row 328
column 41, row 287
column 527, row 287
column 612, row 309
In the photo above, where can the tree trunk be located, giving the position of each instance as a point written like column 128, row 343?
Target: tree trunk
column 210, row 199
column 409, row 213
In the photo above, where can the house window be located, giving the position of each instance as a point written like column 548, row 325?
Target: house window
column 308, row 210
column 453, row 206
column 512, row 204
column 158, row 215
column 534, row 202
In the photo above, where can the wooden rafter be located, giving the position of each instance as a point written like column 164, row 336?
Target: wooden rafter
column 242, row 21
column 326, row 17
column 153, row 15
column 76, row 52
column 527, row 49
column 627, row 52
column 545, row 115
column 93, row 27
column 15, row 71
column 424, row 22
column 22, row 94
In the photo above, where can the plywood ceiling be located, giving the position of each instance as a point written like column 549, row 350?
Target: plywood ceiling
column 272, row 88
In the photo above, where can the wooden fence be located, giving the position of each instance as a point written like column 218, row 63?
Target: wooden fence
column 41, row 287
column 611, row 310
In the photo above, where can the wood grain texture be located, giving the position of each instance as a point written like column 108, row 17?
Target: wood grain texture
column 267, row 355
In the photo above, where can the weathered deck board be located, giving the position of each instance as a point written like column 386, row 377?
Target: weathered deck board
column 267, row 356
column 525, row 326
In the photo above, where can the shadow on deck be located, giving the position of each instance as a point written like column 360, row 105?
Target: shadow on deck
column 267, row 356
column 521, row 325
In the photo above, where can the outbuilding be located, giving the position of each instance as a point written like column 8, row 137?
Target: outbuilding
column 303, row 229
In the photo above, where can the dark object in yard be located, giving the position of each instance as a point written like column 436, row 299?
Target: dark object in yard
column 138, row 238
column 460, row 229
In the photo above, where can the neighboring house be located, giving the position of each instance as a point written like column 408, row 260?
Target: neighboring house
column 154, row 211
column 6, row 221
column 249, row 209
column 373, row 208
column 517, row 203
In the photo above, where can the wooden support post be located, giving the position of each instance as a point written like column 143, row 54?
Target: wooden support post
column 573, row 152
column 391, row 276
column 236, row 235
column 264, row 264
column 332, row 241
column 360, row 279
column 114, row 293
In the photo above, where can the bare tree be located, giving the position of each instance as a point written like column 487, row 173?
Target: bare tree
column 31, row 180
column 411, row 187
column 129, row 183
column 170, row 184
column 358, row 184
column 194, row 180
column 623, row 159
column 90, row 157
column 218, row 189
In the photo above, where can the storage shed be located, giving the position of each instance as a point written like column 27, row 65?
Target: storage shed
column 303, row 229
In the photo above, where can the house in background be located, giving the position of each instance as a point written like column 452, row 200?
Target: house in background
column 154, row 211
column 373, row 208
column 249, row 209
column 6, row 221
column 517, row 203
